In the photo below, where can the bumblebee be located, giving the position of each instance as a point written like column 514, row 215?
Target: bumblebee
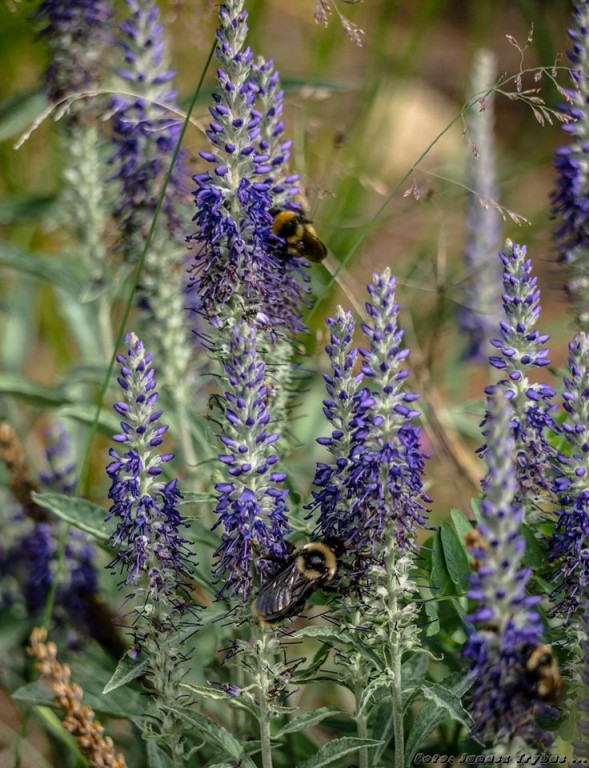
column 299, row 234
column 542, row 673
column 286, row 593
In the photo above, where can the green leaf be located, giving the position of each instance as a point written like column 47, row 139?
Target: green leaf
column 415, row 666
column 108, row 424
column 308, row 720
column 441, row 702
column 30, row 392
column 318, row 660
column 319, row 632
column 455, row 557
column 61, row 273
column 81, row 513
column 20, row 112
column 215, row 693
column 21, row 208
column 440, row 578
column 214, row 733
column 156, row 757
column 128, row 669
column 337, row 748
column 122, row 705
column 432, row 612
column 475, row 504
column 462, row 524
column 53, row 725
column 34, row 694
column 534, row 555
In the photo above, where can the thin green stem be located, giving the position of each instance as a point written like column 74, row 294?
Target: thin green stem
column 395, row 664
column 361, row 721
column 399, row 735
column 264, row 712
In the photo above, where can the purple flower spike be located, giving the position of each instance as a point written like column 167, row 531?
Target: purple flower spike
column 521, row 349
column 146, row 133
column 272, row 142
column 31, row 559
column 251, row 503
column 507, row 623
column 570, row 200
column 482, row 289
column 62, row 473
column 570, row 543
column 151, row 551
column 239, row 265
column 375, row 488
column 79, row 35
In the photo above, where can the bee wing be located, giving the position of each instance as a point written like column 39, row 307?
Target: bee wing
column 283, row 595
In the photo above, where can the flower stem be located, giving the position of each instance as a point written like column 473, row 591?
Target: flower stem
column 361, row 723
column 395, row 652
column 397, row 704
column 264, row 712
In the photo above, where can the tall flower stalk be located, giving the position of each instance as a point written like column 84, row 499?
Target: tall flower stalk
column 479, row 313
column 238, row 267
column 506, row 621
column 252, row 513
column 146, row 132
column 375, row 487
column 152, row 554
column 570, row 199
column 372, row 499
column 520, row 350
column 251, row 505
column 570, row 543
column 80, row 38
column 79, row 35
column 147, row 129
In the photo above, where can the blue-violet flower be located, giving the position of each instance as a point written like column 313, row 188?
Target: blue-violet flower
column 506, row 619
column 145, row 132
column 33, row 556
column 239, row 265
column 570, row 543
column 377, row 487
column 151, row 550
column 251, row 504
column 520, row 350
column 570, row 199
column 79, row 35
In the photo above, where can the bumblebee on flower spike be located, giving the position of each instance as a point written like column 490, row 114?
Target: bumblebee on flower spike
column 299, row 235
column 286, row 593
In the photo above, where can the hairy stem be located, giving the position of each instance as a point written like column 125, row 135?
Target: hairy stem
column 395, row 652
column 264, row 711
column 361, row 721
